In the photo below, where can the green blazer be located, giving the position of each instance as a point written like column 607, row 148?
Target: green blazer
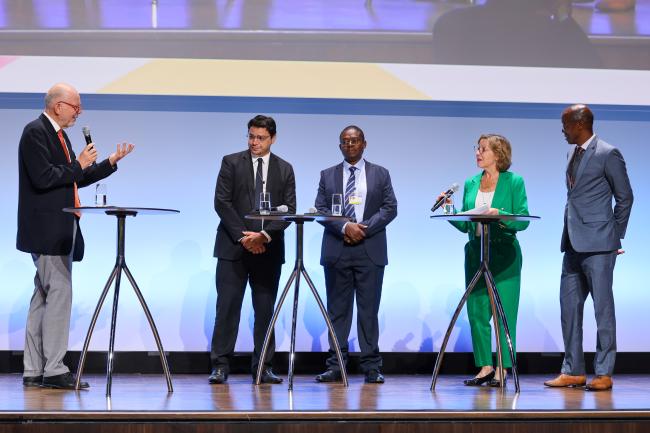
column 509, row 197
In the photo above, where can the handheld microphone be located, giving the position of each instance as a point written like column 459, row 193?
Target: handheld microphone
column 86, row 132
column 452, row 189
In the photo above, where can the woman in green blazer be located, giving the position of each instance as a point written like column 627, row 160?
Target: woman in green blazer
column 502, row 192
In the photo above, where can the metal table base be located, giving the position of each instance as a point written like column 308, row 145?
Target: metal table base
column 298, row 270
column 120, row 266
column 498, row 313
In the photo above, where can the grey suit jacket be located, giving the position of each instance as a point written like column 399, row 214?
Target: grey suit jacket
column 380, row 208
column 590, row 223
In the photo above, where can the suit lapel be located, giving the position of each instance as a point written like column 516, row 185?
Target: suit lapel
column 470, row 197
column 273, row 178
column 338, row 179
column 591, row 150
column 247, row 167
column 370, row 186
column 54, row 139
column 502, row 189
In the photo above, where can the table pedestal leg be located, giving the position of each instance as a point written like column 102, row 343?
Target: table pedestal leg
column 120, row 265
column 497, row 309
column 295, row 275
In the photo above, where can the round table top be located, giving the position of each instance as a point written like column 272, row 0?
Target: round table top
column 120, row 210
column 274, row 216
column 485, row 218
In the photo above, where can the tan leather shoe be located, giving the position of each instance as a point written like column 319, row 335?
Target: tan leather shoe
column 615, row 5
column 600, row 383
column 566, row 380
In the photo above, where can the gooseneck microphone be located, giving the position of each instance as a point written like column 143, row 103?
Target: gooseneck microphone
column 452, row 189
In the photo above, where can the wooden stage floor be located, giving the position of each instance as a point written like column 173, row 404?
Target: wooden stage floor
column 406, row 397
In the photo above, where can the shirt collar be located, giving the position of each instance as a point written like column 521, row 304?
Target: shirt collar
column 53, row 122
column 586, row 144
column 265, row 158
column 359, row 165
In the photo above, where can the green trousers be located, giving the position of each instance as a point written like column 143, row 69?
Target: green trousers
column 505, row 265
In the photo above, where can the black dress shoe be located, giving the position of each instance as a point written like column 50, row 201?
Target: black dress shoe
column 495, row 383
column 62, row 381
column 32, row 381
column 268, row 377
column 218, row 375
column 329, row 376
column 374, row 376
column 478, row 381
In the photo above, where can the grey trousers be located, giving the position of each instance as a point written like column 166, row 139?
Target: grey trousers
column 584, row 274
column 48, row 320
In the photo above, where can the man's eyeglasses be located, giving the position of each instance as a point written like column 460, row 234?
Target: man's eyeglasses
column 76, row 108
column 253, row 137
column 351, row 141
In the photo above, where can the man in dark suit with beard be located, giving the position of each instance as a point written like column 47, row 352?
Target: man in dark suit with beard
column 354, row 253
column 247, row 251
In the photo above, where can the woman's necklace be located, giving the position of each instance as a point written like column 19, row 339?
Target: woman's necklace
column 487, row 188
column 488, row 184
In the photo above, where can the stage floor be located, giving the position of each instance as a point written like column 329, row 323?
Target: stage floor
column 401, row 397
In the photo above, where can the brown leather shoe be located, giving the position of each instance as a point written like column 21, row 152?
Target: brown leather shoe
column 615, row 5
column 600, row 383
column 566, row 380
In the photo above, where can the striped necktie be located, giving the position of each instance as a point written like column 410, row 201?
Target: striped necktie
column 77, row 202
column 349, row 189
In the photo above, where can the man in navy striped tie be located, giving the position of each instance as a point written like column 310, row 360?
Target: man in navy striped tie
column 354, row 253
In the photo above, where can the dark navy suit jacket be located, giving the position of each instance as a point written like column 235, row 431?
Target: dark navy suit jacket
column 380, row 208
column 590, row 223
column 45, row 186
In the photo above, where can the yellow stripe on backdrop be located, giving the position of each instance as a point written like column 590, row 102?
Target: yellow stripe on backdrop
column 263, row 79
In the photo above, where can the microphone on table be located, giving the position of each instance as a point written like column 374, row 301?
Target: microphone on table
column 86, row 132
column 283, row 208
column 452, row 189
column 312, row 210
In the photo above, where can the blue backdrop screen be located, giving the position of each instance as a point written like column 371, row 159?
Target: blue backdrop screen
column 175, row 165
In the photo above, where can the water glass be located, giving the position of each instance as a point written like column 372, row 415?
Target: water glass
column 100, row 194
column 337, row 204
column 265, row 203
column 448, row 207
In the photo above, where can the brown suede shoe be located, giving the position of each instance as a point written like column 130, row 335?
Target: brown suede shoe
column 615, row 5
column 566, row 380
column 600, row 383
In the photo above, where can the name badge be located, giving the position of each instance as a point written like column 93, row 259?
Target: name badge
column 354, row 199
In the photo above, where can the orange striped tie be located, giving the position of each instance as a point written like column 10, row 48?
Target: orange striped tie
column 77, row 202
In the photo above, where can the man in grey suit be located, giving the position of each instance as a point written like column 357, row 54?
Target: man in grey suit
column 354, row 253
column 591, row 240
column 249, row 251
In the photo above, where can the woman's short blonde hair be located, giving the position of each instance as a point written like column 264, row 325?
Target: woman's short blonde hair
column 501, row 148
